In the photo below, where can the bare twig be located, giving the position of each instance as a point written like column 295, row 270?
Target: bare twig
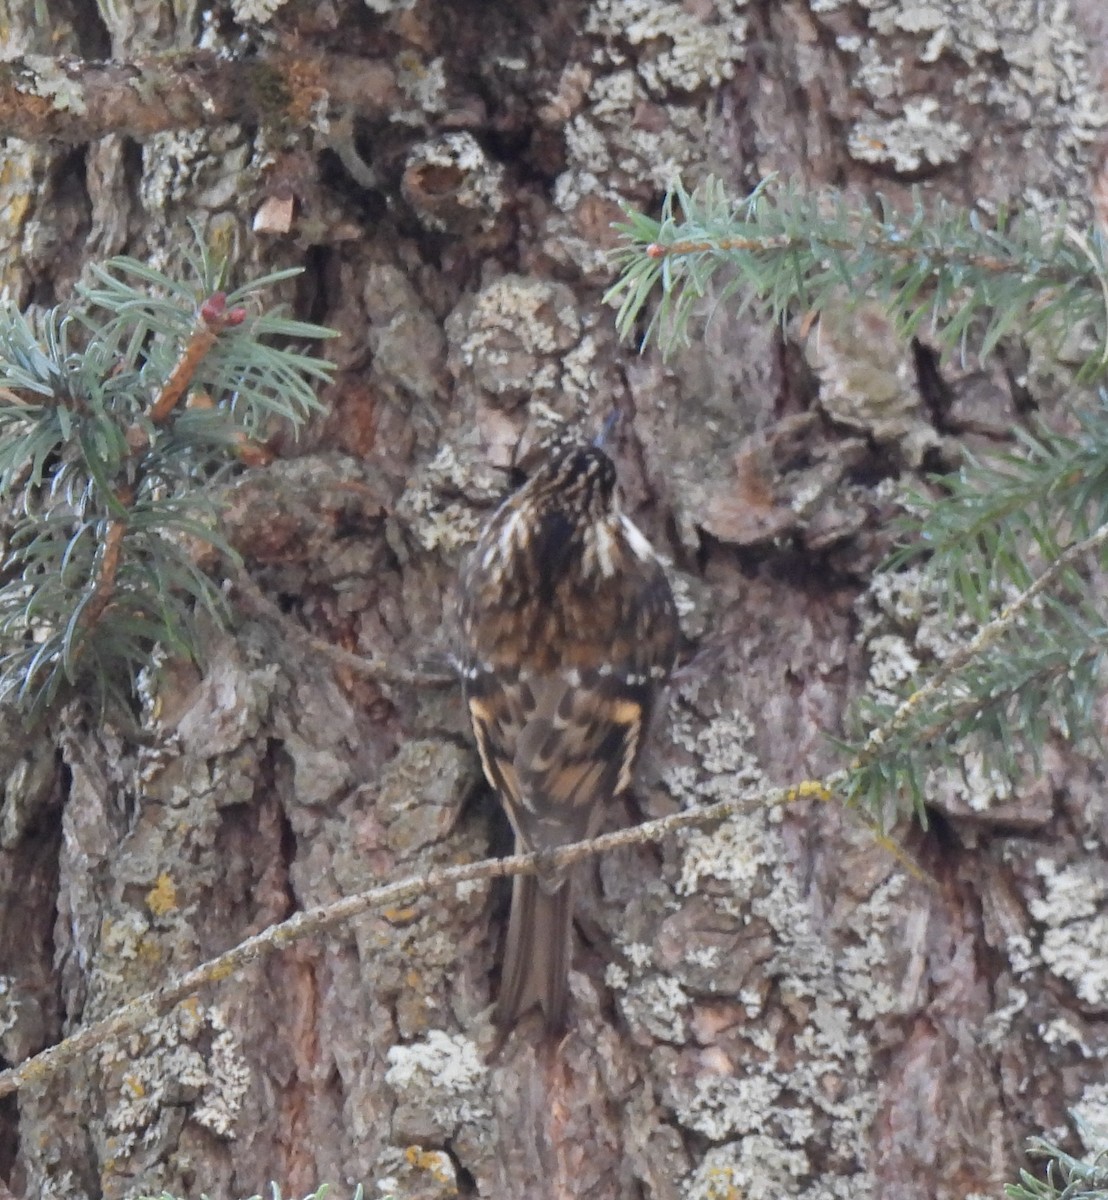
column 985, row 638
column 151, row 1005
column 369, row 668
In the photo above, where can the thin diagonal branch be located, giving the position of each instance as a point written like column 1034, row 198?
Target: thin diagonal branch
column 985, row 638
column 381, row 670
column 151, row 1005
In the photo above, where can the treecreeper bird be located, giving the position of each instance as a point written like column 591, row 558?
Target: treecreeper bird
column 570, row 633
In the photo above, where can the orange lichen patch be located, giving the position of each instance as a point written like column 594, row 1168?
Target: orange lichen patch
column 148, row 950
column 721, row 1184
column 808, row 789
column 162, row 897
column 190, row 1010
column 430, row 1161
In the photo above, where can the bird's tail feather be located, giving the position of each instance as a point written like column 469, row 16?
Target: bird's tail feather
column 537, row 953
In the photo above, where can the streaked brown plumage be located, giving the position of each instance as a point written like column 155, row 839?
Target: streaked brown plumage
column 570, row 633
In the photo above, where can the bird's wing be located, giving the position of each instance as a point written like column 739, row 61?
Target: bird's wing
column 557, row 748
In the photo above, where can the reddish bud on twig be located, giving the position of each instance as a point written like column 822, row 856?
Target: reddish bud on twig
column 212, row 310
column 217, row 316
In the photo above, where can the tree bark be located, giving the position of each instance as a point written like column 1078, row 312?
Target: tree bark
column 769, row 1008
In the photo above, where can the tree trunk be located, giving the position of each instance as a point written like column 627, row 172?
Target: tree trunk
column 770, row 1008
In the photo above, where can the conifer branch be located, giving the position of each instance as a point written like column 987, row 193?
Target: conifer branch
column 985, row 638
column 966, row 280
column 794, row 252
column 111, row 469
column 1066, row 1177
column 214, row 317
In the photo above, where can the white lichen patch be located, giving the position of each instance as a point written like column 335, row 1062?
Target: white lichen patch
column 47, row 79
column 123, row 938
column 659, row 1004
column 769, row 1094
column 736, row 851
column 189, row 1058
column 862, row 965
column 680, row 48
column 892, row 665
column 508, row 343
column 1045, row 89
column 1061, row 1031
column 1075, row 944
column 7, row 1003
column 581, row 375
column 432, row 507
column 920, row 137
column 257, row 11
column 760, row 1168
column 724, row 1106
column 976, row 779
column 1021, row 954
column 443, row 1072
column 424, row 85
column 1090, row 1115
column 515, row 315
column 634, row 116
column 611, row 145
column 1072, row 892
column 205, row 168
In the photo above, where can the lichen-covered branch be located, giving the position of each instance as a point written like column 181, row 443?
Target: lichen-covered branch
column 74, row 100
column 136, row 1013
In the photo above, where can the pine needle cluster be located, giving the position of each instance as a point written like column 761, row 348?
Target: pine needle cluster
column 1065, row 1177
column 118, row 412
column 1013, row 540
